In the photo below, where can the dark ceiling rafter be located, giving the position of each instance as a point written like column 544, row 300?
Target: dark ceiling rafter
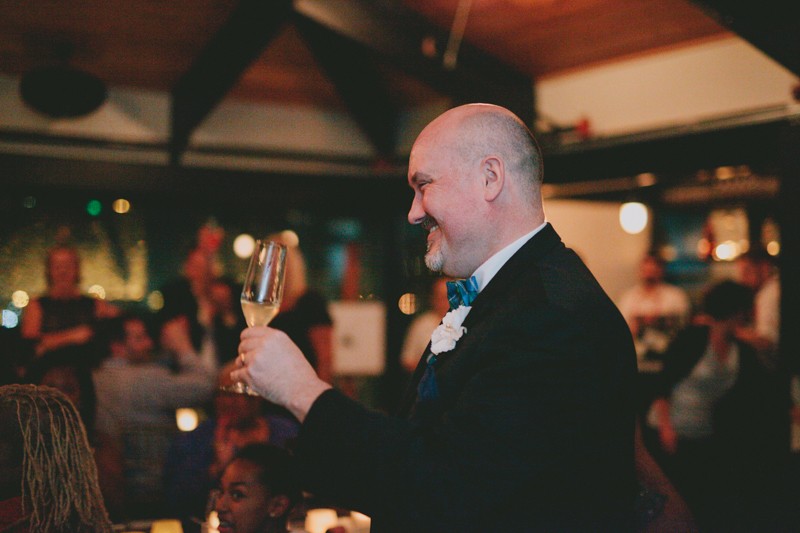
column 346, row 36
column 398, row 35
column 770, row 26
column 249, row 29
column 360, row 85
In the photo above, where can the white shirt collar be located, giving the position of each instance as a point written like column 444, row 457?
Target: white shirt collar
column 485, row 272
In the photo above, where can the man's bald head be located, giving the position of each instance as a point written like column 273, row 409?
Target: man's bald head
column 476, row 173
column 473, row 131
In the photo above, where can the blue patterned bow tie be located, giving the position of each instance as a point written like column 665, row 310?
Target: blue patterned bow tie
column 462, row 292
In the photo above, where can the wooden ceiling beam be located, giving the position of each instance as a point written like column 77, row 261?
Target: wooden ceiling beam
column 359, row 84
column 248, row 30
column 405, row 39
column 770, row 26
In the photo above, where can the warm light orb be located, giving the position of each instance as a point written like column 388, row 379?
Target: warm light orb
column 20, row 299
column 290, row 238
column 774, row 248
column 633, row 217
column 97, row 291
column 166, row 525
column 320, row 520
column 408, row 303
column 243, row 246
column 121, row 206
column 186, row 419
column 726, row 251
column 155, row 301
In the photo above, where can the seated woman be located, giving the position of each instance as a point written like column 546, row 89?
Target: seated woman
column 48, row 477
column 257, row 491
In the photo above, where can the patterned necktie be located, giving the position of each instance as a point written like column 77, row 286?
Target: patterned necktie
column 462, row 292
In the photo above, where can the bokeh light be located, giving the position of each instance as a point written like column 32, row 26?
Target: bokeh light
column 186, row 418
column 774, row 248
column 155, row 301
column 290, row 238
column 407, row 303
column 243, row 245
column 97, row 291
column 633, row 217
column 20, row 299
column 726, row 251
column 121, row 206
column 94, row 207
column 9, row 319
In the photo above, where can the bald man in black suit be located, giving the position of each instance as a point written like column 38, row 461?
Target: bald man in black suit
column 521, row 412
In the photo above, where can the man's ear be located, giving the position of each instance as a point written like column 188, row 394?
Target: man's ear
column 494, row 176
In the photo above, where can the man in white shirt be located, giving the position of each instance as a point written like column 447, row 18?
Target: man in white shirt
column 757, row 270
column 655, row 311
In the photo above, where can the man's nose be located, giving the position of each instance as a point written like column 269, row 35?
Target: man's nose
column 416, row 214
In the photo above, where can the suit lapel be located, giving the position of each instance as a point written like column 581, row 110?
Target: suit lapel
column 494, row 294
column 503, row 283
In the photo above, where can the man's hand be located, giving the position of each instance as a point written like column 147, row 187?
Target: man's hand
column 272, row 365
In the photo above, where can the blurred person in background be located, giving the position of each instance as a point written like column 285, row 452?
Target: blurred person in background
column 227, row 318
column 48, row 478
column 75, row 381
column 757, row 270
column 718, row 415
column 196, row 459
column 655, row 311
column 137, row 398
column 257, row 491
column 63, row 319
column 189, row 296
column 419, row 331
column 303, row 315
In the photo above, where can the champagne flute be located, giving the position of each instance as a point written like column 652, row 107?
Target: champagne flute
column 262, row 291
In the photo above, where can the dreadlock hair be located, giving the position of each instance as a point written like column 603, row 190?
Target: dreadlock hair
column 58, row 485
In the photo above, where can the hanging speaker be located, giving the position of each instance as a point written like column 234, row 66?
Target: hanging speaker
column 62, row 91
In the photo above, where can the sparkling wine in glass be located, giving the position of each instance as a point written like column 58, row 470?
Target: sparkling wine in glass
column 262, row 290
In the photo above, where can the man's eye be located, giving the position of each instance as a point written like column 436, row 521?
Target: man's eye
column 237, row 495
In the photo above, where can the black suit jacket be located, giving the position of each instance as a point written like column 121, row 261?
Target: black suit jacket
column 533, row 427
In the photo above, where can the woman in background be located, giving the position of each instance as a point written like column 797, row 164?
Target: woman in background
column 304, row 312
column 64, row 320
column 258, row 489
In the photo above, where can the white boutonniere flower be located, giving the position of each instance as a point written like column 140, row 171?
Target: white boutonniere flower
column 450, row 330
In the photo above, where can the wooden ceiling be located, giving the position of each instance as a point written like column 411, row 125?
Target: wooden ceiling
column 150, row 44
column 371, row 57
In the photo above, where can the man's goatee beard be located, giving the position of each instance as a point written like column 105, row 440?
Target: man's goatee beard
column 434, row 261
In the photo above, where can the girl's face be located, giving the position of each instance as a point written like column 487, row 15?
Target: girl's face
column 244, row 504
